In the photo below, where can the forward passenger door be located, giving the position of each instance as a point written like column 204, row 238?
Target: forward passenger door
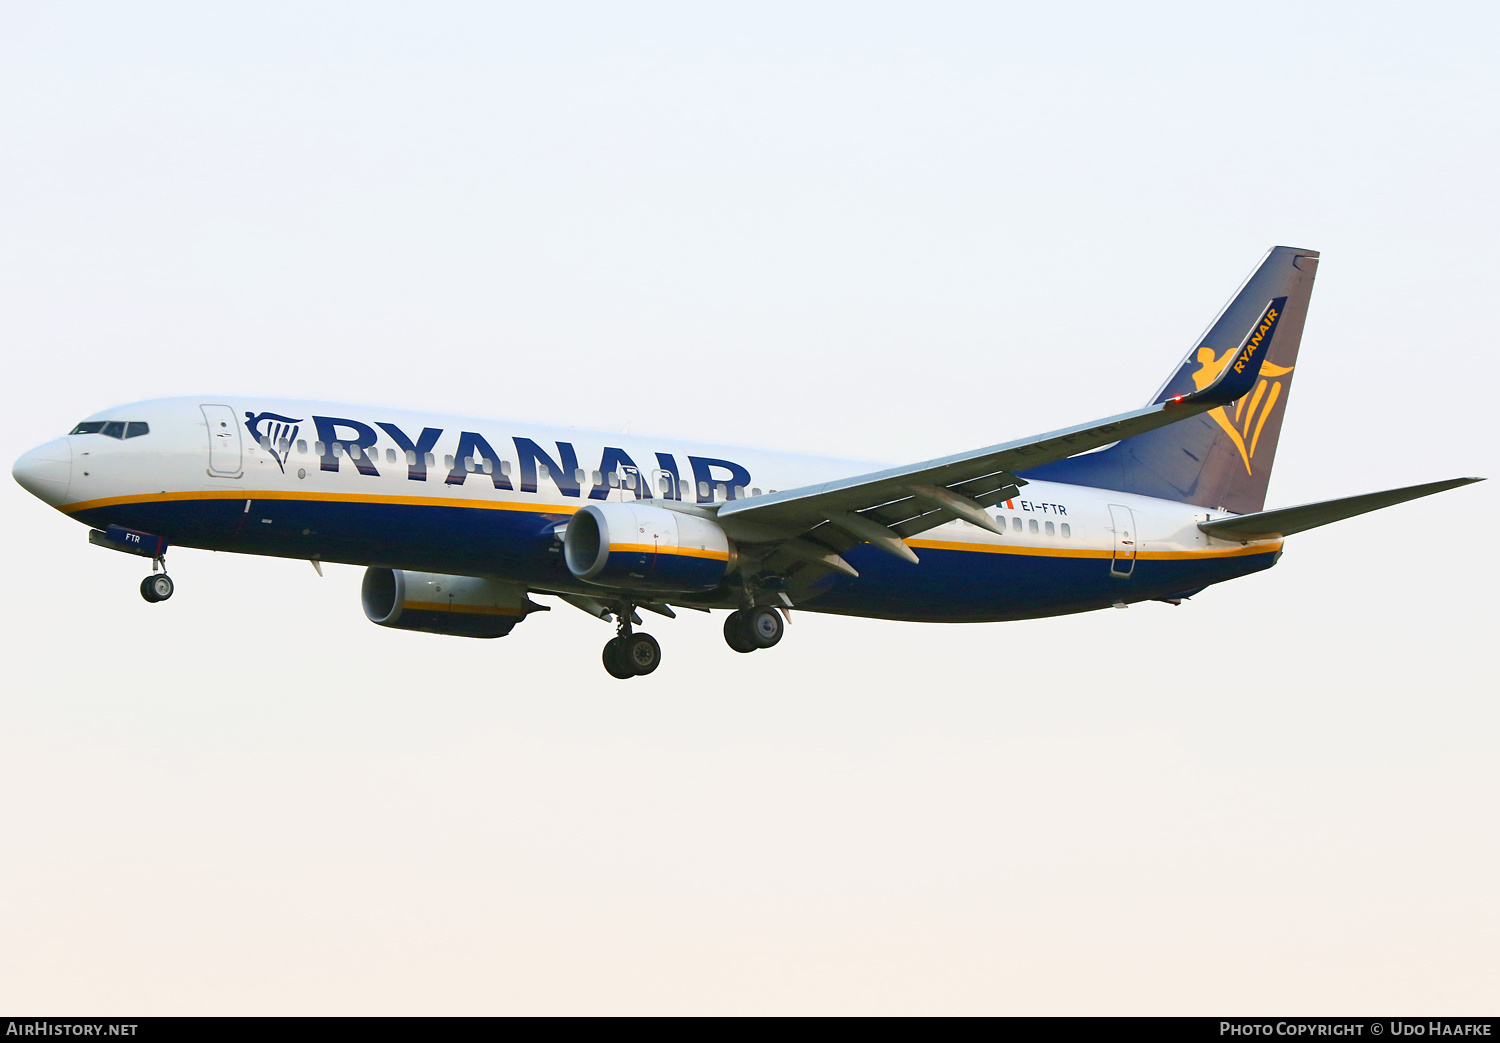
column 225, row 455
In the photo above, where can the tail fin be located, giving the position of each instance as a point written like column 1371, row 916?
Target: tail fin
column 1220, row 459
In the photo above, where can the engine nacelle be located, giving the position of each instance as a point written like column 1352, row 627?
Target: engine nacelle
column 457, row 605
column 633, row 546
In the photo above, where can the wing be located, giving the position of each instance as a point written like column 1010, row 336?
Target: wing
column 815, row 522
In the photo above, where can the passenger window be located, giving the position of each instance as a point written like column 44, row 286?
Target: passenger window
column 469, row 464
column 683, row 490
column 1051, row 529
column 1033, row 526
column 489, row 467
column 1015, row 525
column 1067, row 531
column 448, row 463
column 318, row 449
column 338, row 449
column 88, row 427
column 598, row 477
column 136, row 428
column 703, row 489
column 114, row 429
column 430, row 459
column 302, row 446
column 754, row 491
column 578, row 475
column 265, row 442
column 739, row 492
column 614, row 479
column 505, row 467
column 721, row 492
column 630, row 479
column 390, row 456
column 543, row 471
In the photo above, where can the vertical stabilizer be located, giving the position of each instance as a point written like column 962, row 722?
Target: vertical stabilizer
column 1220, row 459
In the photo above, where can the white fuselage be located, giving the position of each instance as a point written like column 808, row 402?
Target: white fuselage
column 375, row 486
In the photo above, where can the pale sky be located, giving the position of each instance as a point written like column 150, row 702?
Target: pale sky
column 879, row 231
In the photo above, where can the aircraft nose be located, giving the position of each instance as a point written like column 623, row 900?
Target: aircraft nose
column 46, row 471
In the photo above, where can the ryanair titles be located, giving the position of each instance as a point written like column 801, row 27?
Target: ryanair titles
column 705, row 480
column 1261, row 334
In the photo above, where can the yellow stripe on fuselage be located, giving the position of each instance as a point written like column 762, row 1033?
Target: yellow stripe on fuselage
column 1064, row 552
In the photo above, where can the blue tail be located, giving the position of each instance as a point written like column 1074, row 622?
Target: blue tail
column 1220, row 459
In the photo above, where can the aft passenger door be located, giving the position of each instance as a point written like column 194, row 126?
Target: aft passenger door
column 1126, row 544
column 224, row 453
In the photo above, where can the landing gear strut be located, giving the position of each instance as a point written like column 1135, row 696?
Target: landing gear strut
column 629, row 654
column 158, row 586
column 752, row 628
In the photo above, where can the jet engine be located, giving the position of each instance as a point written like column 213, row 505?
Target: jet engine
column 632, row 546
column 461, row 606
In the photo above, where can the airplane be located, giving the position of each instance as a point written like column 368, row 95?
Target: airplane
column 459, row 521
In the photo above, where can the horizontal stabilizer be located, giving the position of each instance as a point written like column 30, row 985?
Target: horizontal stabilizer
column 1287, row 520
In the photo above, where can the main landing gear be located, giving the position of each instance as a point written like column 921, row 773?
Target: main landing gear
column 749, row 629
column 629, row 654
column 158, row 586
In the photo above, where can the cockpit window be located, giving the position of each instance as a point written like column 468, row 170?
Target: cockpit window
column 113, row 428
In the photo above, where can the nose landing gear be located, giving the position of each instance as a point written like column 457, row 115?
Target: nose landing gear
column 154, row 587
column 158, row 586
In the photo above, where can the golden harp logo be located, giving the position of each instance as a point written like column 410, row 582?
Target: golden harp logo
column 1250, row 411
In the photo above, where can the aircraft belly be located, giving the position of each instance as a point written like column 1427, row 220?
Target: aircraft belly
column 976, row 586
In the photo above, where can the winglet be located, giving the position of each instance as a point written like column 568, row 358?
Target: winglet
column 1234, row 375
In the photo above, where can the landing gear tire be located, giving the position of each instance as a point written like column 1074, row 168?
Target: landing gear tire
column 737, row 633
column 157, row 587
column 764, row 626
column 614, row 660
column 641, row 654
